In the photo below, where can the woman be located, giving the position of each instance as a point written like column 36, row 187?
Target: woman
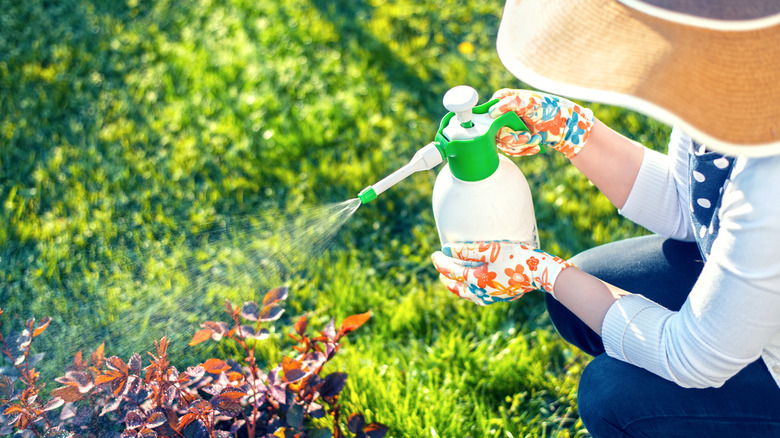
column 684, row 324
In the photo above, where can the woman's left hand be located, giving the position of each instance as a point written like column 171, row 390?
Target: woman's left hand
column 552, row 121
column 489, row 272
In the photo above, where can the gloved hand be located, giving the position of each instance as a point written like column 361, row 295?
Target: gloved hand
column 553, row 121
column 489, row 272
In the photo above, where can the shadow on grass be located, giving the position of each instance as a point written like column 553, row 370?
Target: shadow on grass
column 349, row 17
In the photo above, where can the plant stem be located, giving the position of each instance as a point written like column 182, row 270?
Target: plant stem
column 35, row 431
column 7, row 352
column 250, row 355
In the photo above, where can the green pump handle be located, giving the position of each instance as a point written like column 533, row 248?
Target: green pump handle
column 477, row 158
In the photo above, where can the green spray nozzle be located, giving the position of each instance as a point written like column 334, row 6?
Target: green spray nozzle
column 367, row 195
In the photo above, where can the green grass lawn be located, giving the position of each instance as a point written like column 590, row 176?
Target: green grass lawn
column 148, row 148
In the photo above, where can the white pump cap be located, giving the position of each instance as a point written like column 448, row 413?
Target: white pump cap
column 460, row 100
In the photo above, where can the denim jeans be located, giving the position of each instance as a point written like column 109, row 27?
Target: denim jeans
column 617, row 399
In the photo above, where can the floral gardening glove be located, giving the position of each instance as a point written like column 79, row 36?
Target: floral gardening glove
column 553, row 121
column 489, row 272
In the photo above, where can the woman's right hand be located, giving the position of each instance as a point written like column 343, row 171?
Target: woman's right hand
column 552, row 121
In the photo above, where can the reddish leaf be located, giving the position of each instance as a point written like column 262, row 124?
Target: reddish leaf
column 232, row 393
column 156, row 419
column 22, row 421
column 200, row 406
column 170, row 395
column 262, row 334
column 23, row 341
column 278, row 393
column 330, row 330
column 83, row 380
column 195, row 372
column 78, row 361
column 250, row 311
column 107, row 377
column 275, row 295
column 68, row 411
column 230, row 408
column 117, row 364
column 219, row 328
column 67, row 393
column 162, row 346
column 111, row 405
column 375, row 430
column 300, row 325
column 290, row 364
column 97, row 357
column 119, row 385
column 201, row 336
column 246, row 332
column 6, row 387
column 147, row 433
column 134, row 364
column 235, row 376
column 333, row 384
column 356, row 422
column 271, row 313
column 354, row 322
column 134, row 420
column 13, row 409
column 215, row 366
column 294, row 375
column 53, row 404
column 65, row 380
column 185, row 420
column 316, row 410
column 42, row 326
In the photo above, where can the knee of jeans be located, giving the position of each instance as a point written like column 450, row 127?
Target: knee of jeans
column 591, row 261
column 600, row 398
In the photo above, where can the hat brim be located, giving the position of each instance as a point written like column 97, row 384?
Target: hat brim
column 722, row 88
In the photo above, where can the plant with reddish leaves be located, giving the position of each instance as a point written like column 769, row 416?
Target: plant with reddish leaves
column 111, row 397
column 283, row 399
column 22, row 408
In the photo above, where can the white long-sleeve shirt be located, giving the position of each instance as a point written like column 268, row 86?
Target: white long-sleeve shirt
column 732, row 315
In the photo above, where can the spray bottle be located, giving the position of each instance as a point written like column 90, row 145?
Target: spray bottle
column 479, row 195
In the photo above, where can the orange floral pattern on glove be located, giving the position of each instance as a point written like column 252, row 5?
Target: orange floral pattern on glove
column 491, row 272
column 552, row 121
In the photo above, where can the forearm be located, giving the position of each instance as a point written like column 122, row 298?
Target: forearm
column 586, row 296
column 611, row 162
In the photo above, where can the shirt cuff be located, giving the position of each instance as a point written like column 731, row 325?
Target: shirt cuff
column 632, row 330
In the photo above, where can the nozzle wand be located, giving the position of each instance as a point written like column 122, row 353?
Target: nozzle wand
column 425, row 159
column 459, row 101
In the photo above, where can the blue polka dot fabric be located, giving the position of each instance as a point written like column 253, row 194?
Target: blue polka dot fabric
column 709, row 174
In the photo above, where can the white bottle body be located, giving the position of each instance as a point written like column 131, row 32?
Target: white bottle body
column 499, row 207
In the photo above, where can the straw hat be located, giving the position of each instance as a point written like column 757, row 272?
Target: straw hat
column 711, row 67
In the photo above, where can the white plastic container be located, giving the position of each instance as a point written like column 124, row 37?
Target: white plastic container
column 499, row 207
column 480, row 195
column 493, row 204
